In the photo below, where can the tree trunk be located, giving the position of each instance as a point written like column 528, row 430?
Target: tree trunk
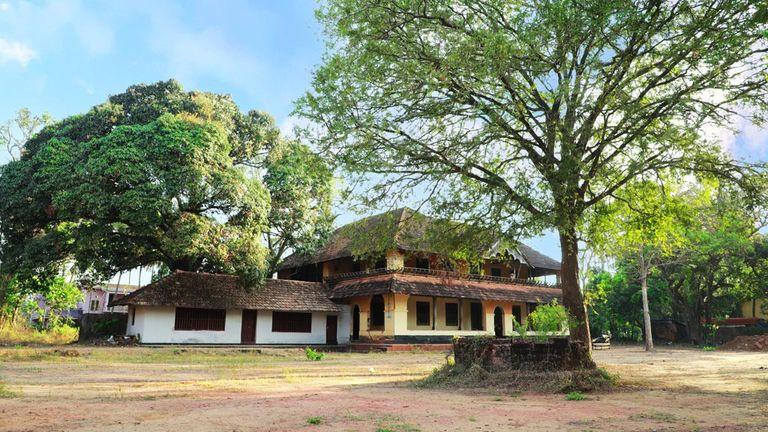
column 646, row 310
column 569, row 281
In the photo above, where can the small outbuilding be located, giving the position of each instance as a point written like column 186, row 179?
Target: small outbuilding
column 205, row 308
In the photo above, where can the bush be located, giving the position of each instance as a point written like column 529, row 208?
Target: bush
column 574, row 396
column 315, row 420
column 313, row 355
column 549, row 318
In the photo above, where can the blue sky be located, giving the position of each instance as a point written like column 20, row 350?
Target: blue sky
column 65, row 56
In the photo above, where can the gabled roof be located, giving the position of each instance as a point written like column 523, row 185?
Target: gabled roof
column 218, row 291
column 404, row 283
column 403, row 229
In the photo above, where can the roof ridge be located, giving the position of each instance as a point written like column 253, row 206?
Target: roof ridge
column 177, row 271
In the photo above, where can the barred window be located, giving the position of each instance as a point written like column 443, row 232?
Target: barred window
column 200, row 319
column 292, row 322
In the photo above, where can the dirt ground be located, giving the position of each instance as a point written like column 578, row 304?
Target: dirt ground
column 158, row 389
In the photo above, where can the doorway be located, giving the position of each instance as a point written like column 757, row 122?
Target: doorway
column 498, row 322
column 356, row 323
column 248, row 330
column 331, row 325
column 476, row 315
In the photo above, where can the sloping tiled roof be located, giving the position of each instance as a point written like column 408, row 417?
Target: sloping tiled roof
column 428, row 285
column 404, row 229
column 218, row 291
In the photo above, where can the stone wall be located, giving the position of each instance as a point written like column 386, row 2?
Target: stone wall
column 525, row 354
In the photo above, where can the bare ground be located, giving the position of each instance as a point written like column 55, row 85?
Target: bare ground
column 157, row 389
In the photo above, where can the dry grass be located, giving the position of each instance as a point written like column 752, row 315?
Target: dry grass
column 18, row 334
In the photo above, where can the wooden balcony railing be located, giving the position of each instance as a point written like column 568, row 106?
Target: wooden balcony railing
column 437, row 273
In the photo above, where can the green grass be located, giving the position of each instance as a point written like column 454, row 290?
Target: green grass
column 5, row 393
column 575, row 396
column 315, row 420
column 709, row 348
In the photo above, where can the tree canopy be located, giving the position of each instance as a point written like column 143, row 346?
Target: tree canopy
column 524, row 115
column 155, row 175
column 718, row 261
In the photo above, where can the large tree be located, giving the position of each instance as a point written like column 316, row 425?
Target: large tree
column 525, row 114
column 155, row 175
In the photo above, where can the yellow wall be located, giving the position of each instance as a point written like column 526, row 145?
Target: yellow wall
column 746, row 309
column 400, row 315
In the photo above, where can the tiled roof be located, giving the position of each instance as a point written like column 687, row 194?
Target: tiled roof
column 428, row 285
column 218, row 291
column 404, row 229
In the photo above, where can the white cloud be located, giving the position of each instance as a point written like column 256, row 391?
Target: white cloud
column 15, row 51
column 4, row 7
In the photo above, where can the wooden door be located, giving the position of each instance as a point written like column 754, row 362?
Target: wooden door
column 248, row 331
column 330, row 329
column 356, row 323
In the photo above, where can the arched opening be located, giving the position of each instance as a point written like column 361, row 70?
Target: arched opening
column 356, row 323
column 377, row 313
column 498, row 322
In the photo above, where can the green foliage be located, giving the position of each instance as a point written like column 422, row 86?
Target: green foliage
column 575, row 396
column 549, row 318
column 301, row 192
column 532, row 111
column 313, row 355
column 157, row 175
column 315, row 420
column 719, row 261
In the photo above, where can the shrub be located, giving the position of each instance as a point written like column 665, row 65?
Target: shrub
column 549, row 318
column 315, row 420
column 574, row 396
column 313, row 355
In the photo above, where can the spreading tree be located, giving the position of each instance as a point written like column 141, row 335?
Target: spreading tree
column 523, row 115
column 154, row 176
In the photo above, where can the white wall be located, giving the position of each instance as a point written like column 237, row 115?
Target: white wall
column 155, row 325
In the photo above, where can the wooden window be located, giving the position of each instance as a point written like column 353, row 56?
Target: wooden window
column 380, row 264
column 356, row 267
column 422, row 263
column 452, row 314
column 422, row 313
column 292, row 322
column 192, row 319
column 94, row 305
column 377, row 312
column 495, row 271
